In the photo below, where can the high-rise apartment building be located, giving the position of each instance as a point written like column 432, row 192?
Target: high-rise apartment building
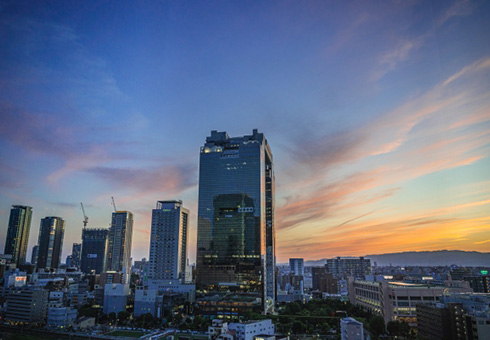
column 236, row 239
column 50, row 242
column 18, row 233
column 120, row 240
column 342, row 267
column 168, row 244
column 297, row 266
column 94, row 248
column 76, row 252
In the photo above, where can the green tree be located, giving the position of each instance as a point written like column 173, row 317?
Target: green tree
column 377, row 326
column 298, row 327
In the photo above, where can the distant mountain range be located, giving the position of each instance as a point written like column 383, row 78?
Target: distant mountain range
column 425, row 258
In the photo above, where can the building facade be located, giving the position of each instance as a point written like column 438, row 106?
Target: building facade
column 351, row 329
column 76, row 252
column 94, row 247
column 18, row 233
column 26, row 305
column 236, row 238
column 297, row 266
column 50, row 242
column 168, row 243
column 341, row 267
column 120, row 241
column 35, row 251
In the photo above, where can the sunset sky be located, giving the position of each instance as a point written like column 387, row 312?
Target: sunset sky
column 377, row 113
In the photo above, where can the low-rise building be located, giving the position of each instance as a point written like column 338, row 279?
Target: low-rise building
column 351, row 329
column 61, row 317
column 248, row 330
column 26, row 305
column 115, row 297
column 398, row 300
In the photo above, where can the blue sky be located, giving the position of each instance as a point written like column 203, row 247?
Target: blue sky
column 377, row 114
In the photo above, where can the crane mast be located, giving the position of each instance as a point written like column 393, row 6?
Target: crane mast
column 114, row 204
column 85, row 218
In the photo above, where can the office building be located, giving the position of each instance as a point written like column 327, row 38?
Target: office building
column 94, row 247
column 50, row 242
column 480, row 284
column 236, row 239
column 342, row 267
column 35, row 251
column 351, row 329
column 398, row 300
column 441, row 321
column 26, row 305
column 297, row 266
column 18, row 233
column 168, row 243
column 120, row 241
column 76, row 252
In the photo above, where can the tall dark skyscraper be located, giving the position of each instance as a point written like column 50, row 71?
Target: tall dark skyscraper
column 120, row 240
column 94, row 248
column 236, row 239
column 168, row 244
column 18, row 233
column 50, row 242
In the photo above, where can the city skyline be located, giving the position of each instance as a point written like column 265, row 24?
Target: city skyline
column 378, row 118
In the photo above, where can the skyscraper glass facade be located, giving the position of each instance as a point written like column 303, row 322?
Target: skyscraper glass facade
column 236, row 217
column 120, row 240
column 50, row 241
column 18, row 233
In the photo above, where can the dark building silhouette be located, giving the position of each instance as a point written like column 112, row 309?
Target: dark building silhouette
column 18, row 233
column 94, row 247
column 50, row 242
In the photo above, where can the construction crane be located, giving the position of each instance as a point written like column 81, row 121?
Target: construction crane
column 114, row 204
column 85, row 218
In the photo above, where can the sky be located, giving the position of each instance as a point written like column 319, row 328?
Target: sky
column 377, row 114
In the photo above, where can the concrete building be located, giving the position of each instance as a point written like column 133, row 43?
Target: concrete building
column 168, row 243
column 61, row 317
column 342, row 267
column 441, row 321
column 398, row 300
column 120, row 241
column 297, row 266
column 18, row 233
column 94, row 248
column 236, row 237
column 145, row 301
column 115, row 297
column 248, row 330
column 26, row 305
column 50, row 242
column 479, row 284
column 351, row 329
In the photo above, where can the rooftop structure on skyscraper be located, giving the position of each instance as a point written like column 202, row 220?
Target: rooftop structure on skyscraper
column 236, row 239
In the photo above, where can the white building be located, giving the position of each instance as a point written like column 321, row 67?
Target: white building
column 115, row 297
column 168, row 244
column 247, row 330
column 351, row 329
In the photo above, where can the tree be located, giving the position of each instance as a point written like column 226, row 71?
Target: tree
column 377, row 326
column 298, row 327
